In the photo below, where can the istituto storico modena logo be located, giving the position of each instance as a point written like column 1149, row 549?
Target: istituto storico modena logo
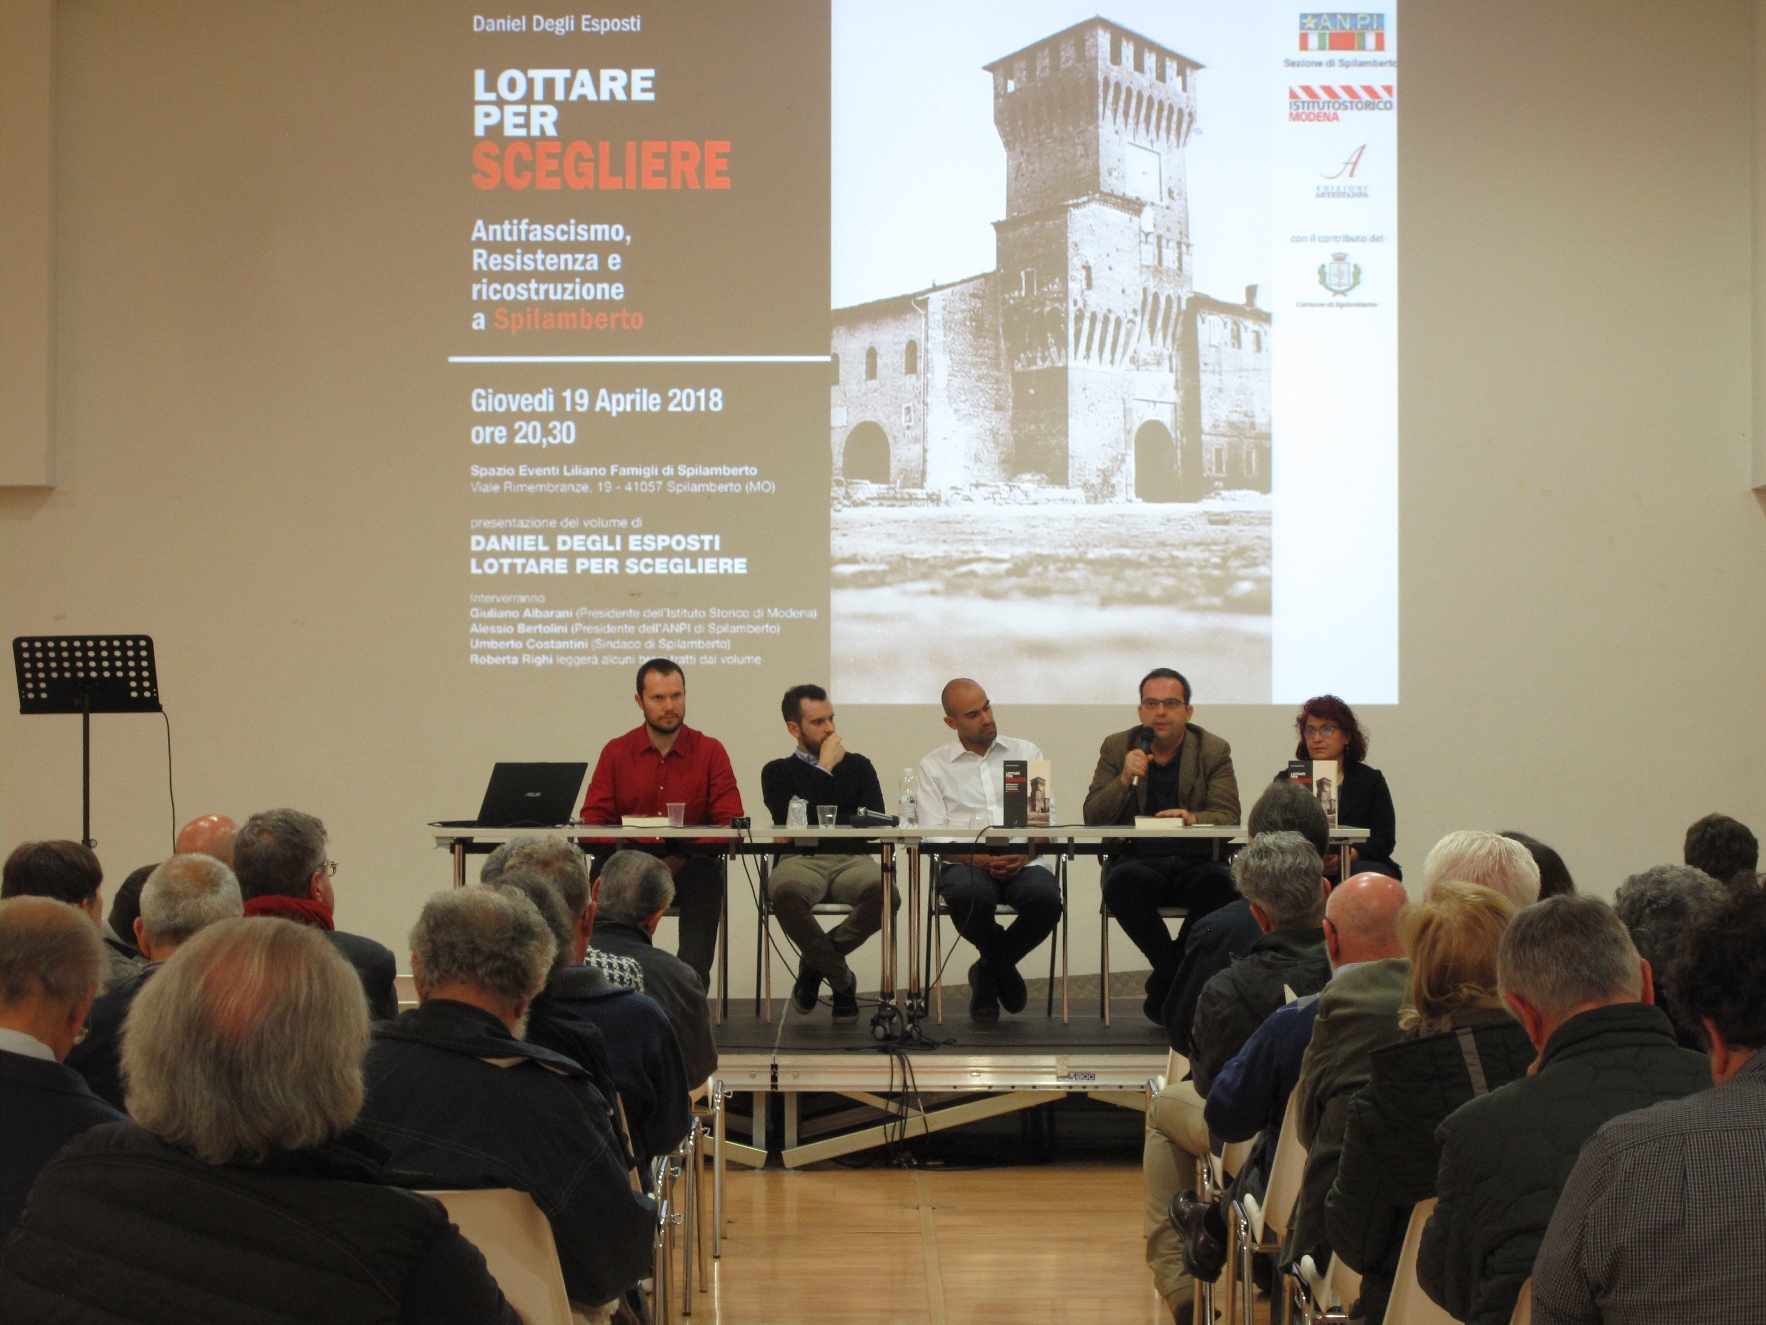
column 1342, row 32
column 1339, row 275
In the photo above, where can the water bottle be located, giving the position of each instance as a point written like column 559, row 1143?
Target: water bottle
column 907, row 799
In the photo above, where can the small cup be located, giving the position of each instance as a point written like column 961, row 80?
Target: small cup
column 797, row 813
column 826, row 815
column 677, row 814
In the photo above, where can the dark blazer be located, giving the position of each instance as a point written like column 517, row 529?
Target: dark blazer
column 1365, row 801
column 452, row 1094
column 1206, row 782
column 641, row 1047
column 123, row 1227
column 43, row 1106
column 1505, row 1156
column 98, row 1057
column 673, row 984
column 376, row 965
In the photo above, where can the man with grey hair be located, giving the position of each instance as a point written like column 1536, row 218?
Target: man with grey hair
column 50, row 960
column 1572, row 977
column 454, row 1092
column 183, row 895
column 244, row 1063
column 1473, row 856
column 563, row 862
column 285, row 870
column 1660, row 907
column 634, row 890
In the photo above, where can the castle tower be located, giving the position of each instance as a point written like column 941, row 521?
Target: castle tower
column 1094, row 252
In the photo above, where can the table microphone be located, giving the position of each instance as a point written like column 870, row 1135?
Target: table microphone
column 1144, row 743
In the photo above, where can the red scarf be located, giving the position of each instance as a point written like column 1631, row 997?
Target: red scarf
column 301, row 910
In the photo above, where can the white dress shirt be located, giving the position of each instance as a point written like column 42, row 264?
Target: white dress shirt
column 956, row 784
column 17, row 1042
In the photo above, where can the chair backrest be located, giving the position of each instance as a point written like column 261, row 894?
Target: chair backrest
column 516, row 1239
column 1524, row 1305
column 1285, row 1171
column 1234, row 1155
column 1409, row 1304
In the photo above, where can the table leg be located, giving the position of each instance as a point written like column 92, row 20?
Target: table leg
column 886, row 937
column 459, row 862
column 1065, row 860
column 723, row 946
column 916, row 988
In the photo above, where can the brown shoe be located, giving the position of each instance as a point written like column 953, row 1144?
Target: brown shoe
column 984, row 1003
column 1204, row 1255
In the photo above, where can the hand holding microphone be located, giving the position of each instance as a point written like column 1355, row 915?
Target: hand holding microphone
column 1135, row 765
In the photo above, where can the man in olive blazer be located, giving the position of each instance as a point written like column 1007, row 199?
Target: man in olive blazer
column 1167, row 767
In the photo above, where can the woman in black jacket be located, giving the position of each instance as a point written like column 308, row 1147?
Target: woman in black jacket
column 1460, row 1042
column 1328, row 731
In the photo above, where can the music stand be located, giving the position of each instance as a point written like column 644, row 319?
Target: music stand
column 85, row 674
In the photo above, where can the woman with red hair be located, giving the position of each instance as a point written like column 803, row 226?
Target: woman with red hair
column 1328, row 731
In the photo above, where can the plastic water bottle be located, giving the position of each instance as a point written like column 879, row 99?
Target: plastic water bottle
column 907, row 799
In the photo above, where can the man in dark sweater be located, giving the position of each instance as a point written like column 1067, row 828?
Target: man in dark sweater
column 821, row 771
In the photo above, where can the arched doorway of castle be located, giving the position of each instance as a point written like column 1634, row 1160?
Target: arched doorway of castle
column 1155, row 463
column 867, row 454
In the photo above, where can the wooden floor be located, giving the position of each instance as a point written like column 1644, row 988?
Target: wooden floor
column 1018, row 1245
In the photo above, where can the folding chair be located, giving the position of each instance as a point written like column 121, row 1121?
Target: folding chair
column 1409, row 1304
column 1523, row 1305
column 516, row 1239
column 763, row 958
column 1261, row 1226
column 936, row 909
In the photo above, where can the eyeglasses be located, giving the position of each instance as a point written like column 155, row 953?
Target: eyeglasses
column 1325, row 732
column 1164, row 705
column 329, row 869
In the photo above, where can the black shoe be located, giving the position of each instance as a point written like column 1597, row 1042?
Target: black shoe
column 807, row 989
column 1204, row 1255
column 984, row 1004
column 1012, row 993
column 846, row 1003
column 1159, row 985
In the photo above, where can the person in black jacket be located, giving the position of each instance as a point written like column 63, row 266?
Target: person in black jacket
column 1460, row 1042
column 1569, row 973
column 822, row 771
column 454, row 1094
column 50, row 961
column 239, row 1193
column 284, row 871
column 1329, row 732
column 180, row 896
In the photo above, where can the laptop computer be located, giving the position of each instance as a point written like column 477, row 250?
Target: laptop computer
column 528, row 796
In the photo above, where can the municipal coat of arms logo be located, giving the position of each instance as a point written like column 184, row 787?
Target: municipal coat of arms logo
column 1339, row 275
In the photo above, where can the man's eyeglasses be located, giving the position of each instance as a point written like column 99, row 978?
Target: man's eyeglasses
column 1325, row 732
column 329, row 869
column 1164, row 705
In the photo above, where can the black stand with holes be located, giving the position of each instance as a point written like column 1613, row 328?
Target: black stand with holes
column 85, row 674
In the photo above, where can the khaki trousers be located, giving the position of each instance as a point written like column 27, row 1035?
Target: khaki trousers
column 1176, row 1138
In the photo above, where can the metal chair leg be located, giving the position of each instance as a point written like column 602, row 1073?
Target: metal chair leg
column 1104, row 965
column 718, row 1123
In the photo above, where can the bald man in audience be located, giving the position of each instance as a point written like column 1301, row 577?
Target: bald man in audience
column 69, row 872
column 1474, row 856
column 182, row 895
column 206, row 835
column 50, row 959
column 1572, row 977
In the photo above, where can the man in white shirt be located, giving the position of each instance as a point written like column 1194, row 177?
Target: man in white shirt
column 962, row 786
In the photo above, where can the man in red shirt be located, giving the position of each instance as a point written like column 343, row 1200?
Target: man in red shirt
column 662, row 761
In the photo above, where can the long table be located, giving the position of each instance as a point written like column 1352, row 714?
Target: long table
column 1062, row 842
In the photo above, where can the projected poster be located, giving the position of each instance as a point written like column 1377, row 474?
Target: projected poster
column 1111, row 379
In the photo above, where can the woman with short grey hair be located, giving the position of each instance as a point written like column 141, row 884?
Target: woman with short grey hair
column 244, row 1066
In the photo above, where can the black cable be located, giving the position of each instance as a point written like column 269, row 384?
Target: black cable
column 171, row 791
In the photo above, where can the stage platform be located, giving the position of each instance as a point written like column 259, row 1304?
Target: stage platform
column 843, row 1091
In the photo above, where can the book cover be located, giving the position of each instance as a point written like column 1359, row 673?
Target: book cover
column 1017, row 797
column 1300, row 772
column 1326, row 778
column 643, row 821
column 1039, row 799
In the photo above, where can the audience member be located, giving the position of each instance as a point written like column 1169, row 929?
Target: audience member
column 1473, row 856
column 69, row 872
column 284, row 871
column 1662, row 1206
column 1569, row 973
column 1329, row 732
column 1659, row 907
column 1226, row 932
column 182, row 895
column 632, row 893
column 640, row 1044
column 206, row 835
column 1554, row 875
column 563, row 861
column 50, row 960
column 1278, row 874
column 125, row 907
column 1725, row 849
column 454, row 1092
column 236, row 1195
column 1460, row 1042
column 1362, row 1002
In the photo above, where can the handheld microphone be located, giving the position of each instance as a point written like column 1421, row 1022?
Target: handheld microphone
column 1143, row 743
